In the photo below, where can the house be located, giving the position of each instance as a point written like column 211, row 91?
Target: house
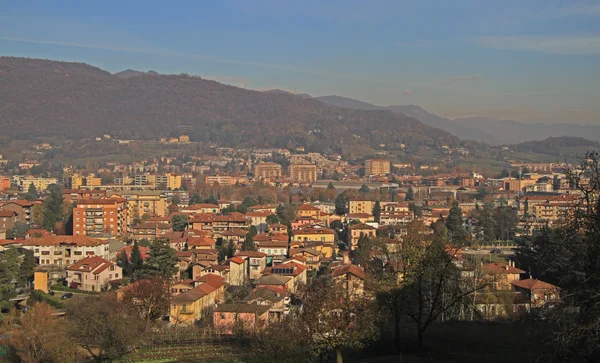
column 352, row 277
column 277, row 301
column 278, row 282
column 93, row 274
column 358, row 217
column 539, row 293
column 201, row 243
column 315, row 234
column 275, row 251
column 259, row 220
column 358, row 205
column 312, row 257
column 502, row 275
column 65, row 250
column 150, row 230
column 296, row 271
column 8, row 218
column 202, row 208
column 238, row 271
column 257, row 262
column 23, row 208
column 193, row 305
column 307, row 210
column 227, row 317
column 278, row 228
column 360, row 230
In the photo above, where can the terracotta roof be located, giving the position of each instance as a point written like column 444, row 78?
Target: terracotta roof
column 237, row 260
column 95, row 264
column 68, row 240
column 308, row 207
column 350, row 269
column 534, row 284
column 101, row 201
column 198, row 292
column 7, row 242
column 251, row 254
column 276, row 280
column 361, row 226
column 7, row 213
column 259, row 214
column 309, row 230
column 21, row 203
column 286, row 269
column 502, row 268
column 201, row 241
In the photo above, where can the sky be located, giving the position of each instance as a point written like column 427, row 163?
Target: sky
column 532, row 61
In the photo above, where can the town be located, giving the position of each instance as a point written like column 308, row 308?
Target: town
column 236, row 241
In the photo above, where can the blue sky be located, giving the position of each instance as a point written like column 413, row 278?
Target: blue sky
column 525, row 60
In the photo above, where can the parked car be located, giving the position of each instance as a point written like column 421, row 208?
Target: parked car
column 66, row 296
column 496, row 251
column 51, row 293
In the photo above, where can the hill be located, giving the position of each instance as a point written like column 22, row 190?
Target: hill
column 417, row 112
column 280, row 91
column 495, row 132
column 132, row 73
column 75, row 100
column 558, row 146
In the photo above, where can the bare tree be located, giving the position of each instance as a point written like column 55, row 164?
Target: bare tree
column 148, row 299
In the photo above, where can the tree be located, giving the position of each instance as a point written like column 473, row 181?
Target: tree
column 416, row 209
column 42, row 337
column 506, row 223
column 10, row 264
column 148, row 299
column 454, row 223
column 161, row 262
column 211, row 200
column 53, row 207
column 504, row 174
column 410, row 194
column 364, row 189
column 179, row 222
column 334, row 319
column 248, row 244
column 487, row 222
column 37, row 215
column 123, row 262
column 32, row 192
column 272, row 219
column 19, row 230
column 195, row 199
column 377, row 211
column 135, row 261
column 340, row 204
column 226, row 250
column 28, row 264
column 104, row 327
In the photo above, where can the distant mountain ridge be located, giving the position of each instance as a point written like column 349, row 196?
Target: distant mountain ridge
column 132, row 73
column 483, row 129
column 75, row 100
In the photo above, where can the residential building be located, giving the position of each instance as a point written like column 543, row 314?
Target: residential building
column 306, row 234
column 223, row 180
column 540, row 293
column 8, row 218
column 357, row 205
column 23, row 208
column 65, row 250
column 194, row 305
column 41, row 184
column 150, row 230
column 257, row 262
column 360, row 230
column 296, row 271
column 252, row 316
column 376, row 167
column 303, row 173
column 93, row 273
column 269, row 171
column 140, row 203
column 95, row 216
column 238, row 271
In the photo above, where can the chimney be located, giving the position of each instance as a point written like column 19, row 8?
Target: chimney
column 346, row 256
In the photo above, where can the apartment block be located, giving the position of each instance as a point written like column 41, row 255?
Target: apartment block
column 377, row 167
column 65, row 250
column 95, row 216
column 151, row 203
column 303, row 173
column 270, row 171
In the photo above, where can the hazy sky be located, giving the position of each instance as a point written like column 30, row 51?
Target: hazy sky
column 526, row 60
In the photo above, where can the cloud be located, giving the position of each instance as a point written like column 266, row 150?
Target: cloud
column 460, row 79
column 407, row 92
column 579, row 45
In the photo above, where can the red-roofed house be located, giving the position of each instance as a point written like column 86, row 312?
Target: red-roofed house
column 238, row 271
column 540, row 293
column 291, row 269
column 194, row 305
column 127, row 249
column 92, row 274
column 502, row 274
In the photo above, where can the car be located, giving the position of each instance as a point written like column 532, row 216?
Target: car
column 496, row 251
column 51, row 293
column 466, row 249
column 66, row 296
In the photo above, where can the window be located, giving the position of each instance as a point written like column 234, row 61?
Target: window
column 77, row 253
column 183, row 308
column 223, row 316
column 45, row 253
column 112, row 267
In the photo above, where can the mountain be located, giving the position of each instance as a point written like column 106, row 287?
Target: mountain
column 75, row 100
column 131, row 73
column 416, row 112
column 280, row 91
column 558, row 146
column 482, row 129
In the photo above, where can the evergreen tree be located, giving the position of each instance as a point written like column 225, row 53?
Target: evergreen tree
column 135, row 262
column 504, row 174
column 9, row 275
column 195, row 199
column 377, row 211
column 410, row 194
column 179, row 222
column 161, row 262
column 53, row 207
column 454, row 223
column 252, row 231
column 19, row 230
column 340, row 204
column 32, row 192
column 27, row 267
column 364, row 189
column 123, row 262
column 249, row 243
column 212, row 200
column 487, row 222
